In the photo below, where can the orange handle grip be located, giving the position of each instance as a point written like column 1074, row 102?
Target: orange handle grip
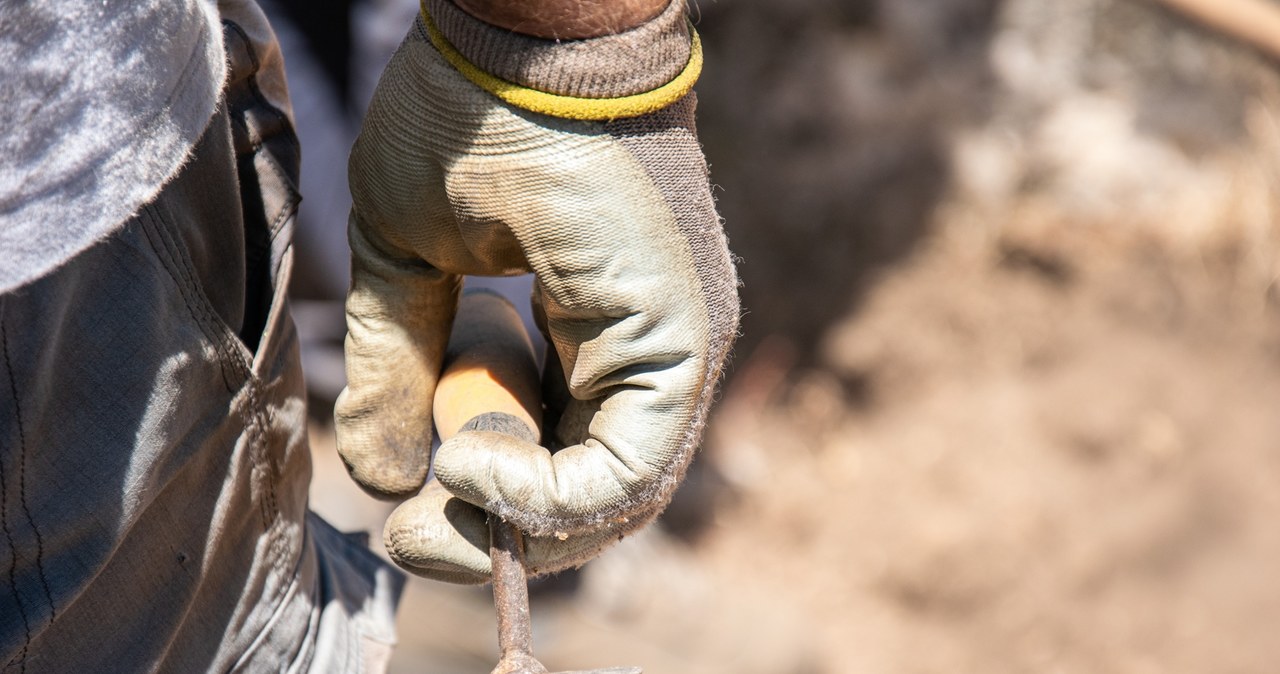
column 488, row 367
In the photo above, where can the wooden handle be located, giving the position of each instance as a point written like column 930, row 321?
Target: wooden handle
column 488, row 367
column 490, row 382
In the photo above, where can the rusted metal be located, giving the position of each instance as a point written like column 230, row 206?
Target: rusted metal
column 511, row 600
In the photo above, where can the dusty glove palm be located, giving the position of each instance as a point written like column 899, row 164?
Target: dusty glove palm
column 633, row 277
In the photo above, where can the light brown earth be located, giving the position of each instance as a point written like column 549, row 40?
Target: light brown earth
column 1008, row 397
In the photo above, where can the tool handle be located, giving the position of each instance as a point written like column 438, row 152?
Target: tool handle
column 490, row 383
column 489, row 369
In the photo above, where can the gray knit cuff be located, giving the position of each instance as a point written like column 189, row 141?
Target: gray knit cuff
column 639, row 60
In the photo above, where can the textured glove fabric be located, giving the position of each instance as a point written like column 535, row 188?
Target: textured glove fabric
column 442, row 537
column 634, row 279
column 629, row 63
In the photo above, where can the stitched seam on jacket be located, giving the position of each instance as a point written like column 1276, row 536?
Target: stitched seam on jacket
column 262, row 461
column 151, row 223
column 253, row 84
column 254, row 417
column 257, row 419
column 22, row 476
column 229, row 356
column 261, row 420
column 21, row 657
column 290, row 206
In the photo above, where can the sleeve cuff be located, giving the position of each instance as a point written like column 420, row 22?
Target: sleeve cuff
column 622, row 75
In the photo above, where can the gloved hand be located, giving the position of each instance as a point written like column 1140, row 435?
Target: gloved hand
column 603, row 194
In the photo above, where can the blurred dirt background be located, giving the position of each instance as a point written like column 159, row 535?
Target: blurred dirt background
column 1006, row 396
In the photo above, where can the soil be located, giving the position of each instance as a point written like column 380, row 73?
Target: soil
column 1007, row 395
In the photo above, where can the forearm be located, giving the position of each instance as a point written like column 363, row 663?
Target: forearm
column 564, row 19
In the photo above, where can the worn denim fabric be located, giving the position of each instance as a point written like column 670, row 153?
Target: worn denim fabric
column 153, row 453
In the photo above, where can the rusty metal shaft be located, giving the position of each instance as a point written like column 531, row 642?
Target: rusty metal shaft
column 511, row 600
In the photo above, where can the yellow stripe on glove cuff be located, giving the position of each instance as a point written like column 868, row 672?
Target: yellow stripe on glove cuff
column 571, row 107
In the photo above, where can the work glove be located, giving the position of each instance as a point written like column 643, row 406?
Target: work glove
column 485, row 152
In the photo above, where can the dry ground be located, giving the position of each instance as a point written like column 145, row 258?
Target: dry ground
column 1048, row 460
column 1007, row 398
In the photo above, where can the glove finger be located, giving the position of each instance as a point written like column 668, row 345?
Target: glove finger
column 399, row 313
column 438, row 536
